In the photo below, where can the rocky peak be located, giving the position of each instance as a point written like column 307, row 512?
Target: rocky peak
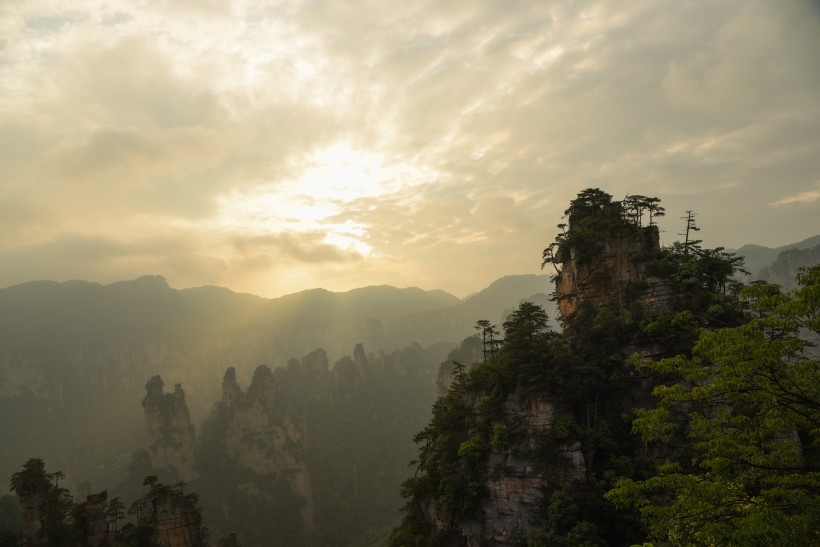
column 169, row 429
column 172, row 516
column 230, row 389
column 261, row 438
column 606, row 261
column 263, row 389
column 96, row 526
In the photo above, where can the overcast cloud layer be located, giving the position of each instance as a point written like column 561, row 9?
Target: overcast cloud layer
column 274, row 146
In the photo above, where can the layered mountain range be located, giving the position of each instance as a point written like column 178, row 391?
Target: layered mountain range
column 74, row 356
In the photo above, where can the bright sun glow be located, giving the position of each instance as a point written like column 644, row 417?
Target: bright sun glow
column 316, row 201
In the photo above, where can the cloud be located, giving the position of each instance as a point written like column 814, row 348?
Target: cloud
column 266, row 250
column 804, row 197
column 471, row 126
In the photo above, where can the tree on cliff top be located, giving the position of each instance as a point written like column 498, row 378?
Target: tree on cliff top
column 593, row 213
column 588, row 201
column 744, row 421
column 51, row 504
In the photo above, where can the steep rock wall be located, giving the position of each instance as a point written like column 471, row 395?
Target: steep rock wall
column 172, row 517
column 263, row 438
column 169, row 429
column 618, row 274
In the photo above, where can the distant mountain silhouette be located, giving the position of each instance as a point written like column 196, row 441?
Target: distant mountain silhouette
column 784, row 270
column 493, row 303
column 74, row 356
column 759, row 257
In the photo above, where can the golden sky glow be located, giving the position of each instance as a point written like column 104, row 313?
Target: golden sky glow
column 272, row 146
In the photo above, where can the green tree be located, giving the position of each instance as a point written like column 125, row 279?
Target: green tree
column 488, row 337
column 525, row 329
column 691, row 226
column 741, row 429
column 115, row 511
column 57, row 476
column 588, row 201
column 32, row 477
column 53, row 504
column 150, row 480
column 654, row 209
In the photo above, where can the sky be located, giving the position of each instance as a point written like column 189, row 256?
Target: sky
column 275, row 146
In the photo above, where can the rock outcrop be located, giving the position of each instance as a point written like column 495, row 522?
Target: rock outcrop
column 172, row 516
column 169, row 429
column 514, row 484
column 263, row 437
column 96, row 524
column 36, row 514
column 618, row 274
column 41, row 504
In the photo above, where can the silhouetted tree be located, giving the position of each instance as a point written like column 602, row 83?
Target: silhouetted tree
column 654, row 209
column 488, row 337
column 690, row 227
column 589, row 200
column 115, row 511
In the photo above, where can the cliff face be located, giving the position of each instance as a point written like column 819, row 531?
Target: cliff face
column 169, row 429
column 515, row 484
column 618, row 272
column 96, row 527
column 172, row 517
column 34, row 514
column 323, row 449
column 783, row 271
column 261, row 436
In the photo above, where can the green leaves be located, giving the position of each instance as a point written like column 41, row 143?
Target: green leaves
column 741, row 432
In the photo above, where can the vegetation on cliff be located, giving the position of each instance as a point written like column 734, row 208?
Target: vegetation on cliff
column 586, row 478
column 741, row 430
column 166, row 516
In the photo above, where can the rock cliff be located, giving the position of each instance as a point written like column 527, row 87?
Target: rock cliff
column 515, row 483
column 517, row 447
column 617, row 273
column 262, row 437
column 96, row 526
column 169, row 429
column 783, row 271
column 172, row 517
column 616, row 276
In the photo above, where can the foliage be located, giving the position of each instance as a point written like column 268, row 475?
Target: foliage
column 472, row 420
column 591, row 214
column 742, row 430
column 64, row 523
column 115, row 512
column 585, row 375
column 51, row 504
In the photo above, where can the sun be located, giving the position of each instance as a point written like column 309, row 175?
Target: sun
column 320, row 196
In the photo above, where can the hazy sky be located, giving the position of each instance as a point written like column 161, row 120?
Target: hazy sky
column 274, row 146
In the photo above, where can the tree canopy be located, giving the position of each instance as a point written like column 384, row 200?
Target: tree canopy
column 741, row 426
